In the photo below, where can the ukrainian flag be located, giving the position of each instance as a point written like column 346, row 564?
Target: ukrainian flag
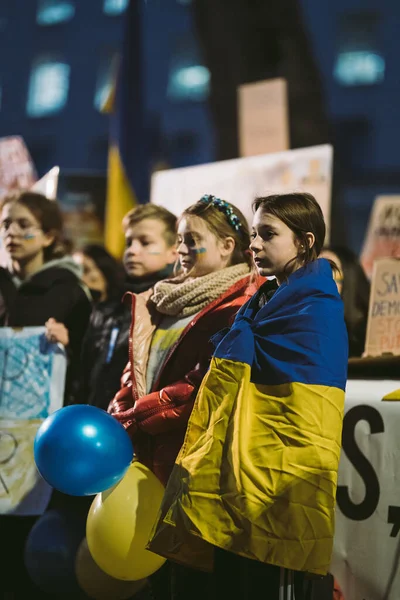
column 257, row 473
column 127, row 183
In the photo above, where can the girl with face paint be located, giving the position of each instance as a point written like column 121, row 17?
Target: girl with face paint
column 38, row 286
column 170, row 350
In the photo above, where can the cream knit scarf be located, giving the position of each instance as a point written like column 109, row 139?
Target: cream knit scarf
column 182, row 297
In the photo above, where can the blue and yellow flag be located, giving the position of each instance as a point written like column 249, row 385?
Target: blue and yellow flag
column 127, row 181
column 257, row 472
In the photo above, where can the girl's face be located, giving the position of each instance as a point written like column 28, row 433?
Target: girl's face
column 91, row 274
column 273, row 245
column 200, row 251
column 21, row 233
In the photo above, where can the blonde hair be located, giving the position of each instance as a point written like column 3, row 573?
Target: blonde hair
column 155, row 212
column 224, row 220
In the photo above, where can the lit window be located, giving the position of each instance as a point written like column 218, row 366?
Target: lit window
column 189, row 83
column 105, row 80
column 51, row 12
column 48, row 87
column 359, row 60
column 359, row 68
column 115, row 7
column 189, row 79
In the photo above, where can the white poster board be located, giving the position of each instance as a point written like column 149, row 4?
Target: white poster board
column 240, row 180
column 48, row 184
column 367, row 537
column 382, row 238
column 263, row 117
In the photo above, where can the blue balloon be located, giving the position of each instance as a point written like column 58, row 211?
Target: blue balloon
column 81, row 450
column 50, row 552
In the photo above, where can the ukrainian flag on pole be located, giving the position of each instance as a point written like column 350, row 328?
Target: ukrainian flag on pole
column 127, row 180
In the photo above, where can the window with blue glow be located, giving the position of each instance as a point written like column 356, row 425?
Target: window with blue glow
column 51, row 12
column 48, row 87
column 115, row 7
column 189, row 78
column 359, row 60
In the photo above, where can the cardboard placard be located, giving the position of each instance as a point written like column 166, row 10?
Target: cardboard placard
column 382, row 238
column 16, row 167
column 263, row 117
column 383, row 330
column 240, row 180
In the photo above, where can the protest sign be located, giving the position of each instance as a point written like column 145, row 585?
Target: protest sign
column 240, row 180
column 16, row 167
column 367, row 534
column 382, row 238
column 32, row 381
column 263, row 117
column 383, row 329
column 48, row 184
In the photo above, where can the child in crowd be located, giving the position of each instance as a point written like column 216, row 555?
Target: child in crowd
column 252, row 494
column 170, row 350
column 150, row 255
column 101, row 272
column 354, row 288
column 41, row 286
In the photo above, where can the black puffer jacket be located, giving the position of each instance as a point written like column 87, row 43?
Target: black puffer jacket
column 53, row 291
column 105, row 351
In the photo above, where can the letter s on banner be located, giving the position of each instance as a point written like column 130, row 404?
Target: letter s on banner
column 362, row 511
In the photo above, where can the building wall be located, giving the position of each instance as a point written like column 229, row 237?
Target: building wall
column 364, row 118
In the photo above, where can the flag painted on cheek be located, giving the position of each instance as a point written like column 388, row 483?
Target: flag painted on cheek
column 257, row 472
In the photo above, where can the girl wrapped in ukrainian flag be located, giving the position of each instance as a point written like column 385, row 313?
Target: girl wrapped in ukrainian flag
column 252, row 493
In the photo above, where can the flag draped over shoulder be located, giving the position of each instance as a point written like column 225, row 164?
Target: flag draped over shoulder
column 257, row 472
column 127, row 167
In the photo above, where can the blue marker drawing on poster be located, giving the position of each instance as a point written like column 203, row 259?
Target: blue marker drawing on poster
column 28, row 367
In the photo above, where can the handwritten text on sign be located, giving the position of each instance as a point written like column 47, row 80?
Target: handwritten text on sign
column 383, row 332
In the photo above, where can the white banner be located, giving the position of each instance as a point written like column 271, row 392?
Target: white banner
column 242, row 179
column 367, row 538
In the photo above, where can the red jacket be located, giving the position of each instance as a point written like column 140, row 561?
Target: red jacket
column 156, row 422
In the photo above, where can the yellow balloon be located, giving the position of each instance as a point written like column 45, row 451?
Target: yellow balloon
column 120, row 522
column 98, row 585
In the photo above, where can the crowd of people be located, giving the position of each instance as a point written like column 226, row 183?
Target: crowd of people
column 222, row 350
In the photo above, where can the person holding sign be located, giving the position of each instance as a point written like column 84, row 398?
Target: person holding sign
column 252, row 493
column 170, row 332
column 40, row 287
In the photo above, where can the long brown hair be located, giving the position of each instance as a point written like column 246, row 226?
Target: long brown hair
column 302, row 214
column 48, row 214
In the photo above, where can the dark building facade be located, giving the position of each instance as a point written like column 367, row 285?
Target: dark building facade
column 57, row 59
